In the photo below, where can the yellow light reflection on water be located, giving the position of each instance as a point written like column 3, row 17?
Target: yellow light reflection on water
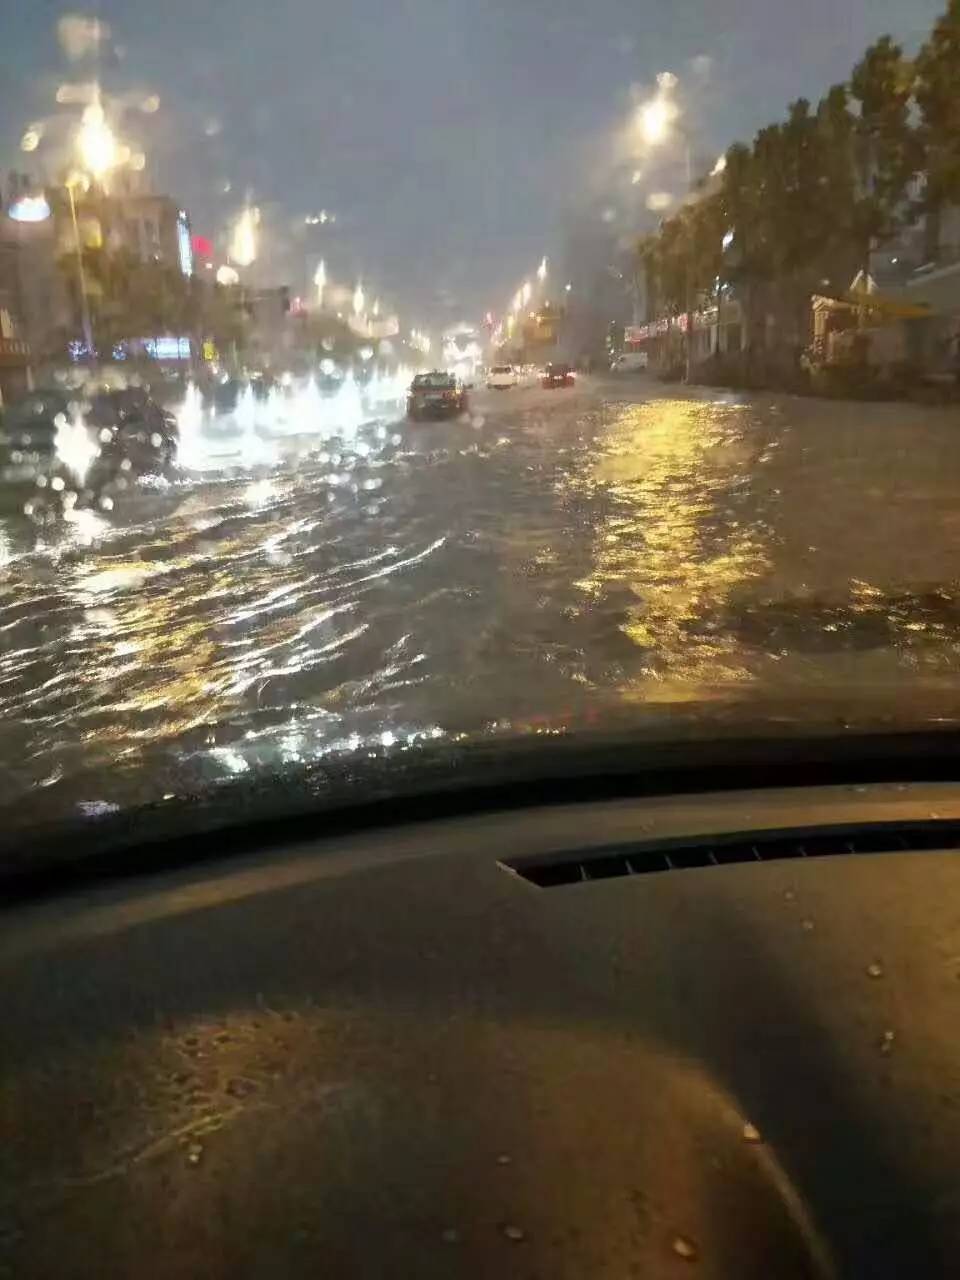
column 671, row 539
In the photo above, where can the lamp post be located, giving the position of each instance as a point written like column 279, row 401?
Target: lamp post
column 657, row 119
column 86, row 323
column 37, row 209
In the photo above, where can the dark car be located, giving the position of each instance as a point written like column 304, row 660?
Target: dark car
column 133, row 428
column 28, row 431
column 557, row 375
column 436, row 395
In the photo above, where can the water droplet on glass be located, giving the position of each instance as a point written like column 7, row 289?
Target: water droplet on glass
column 789, row 896
column 450, row 1236
column 875, row 970
column 751, row 1133
column 514, row 1233
column 807, row 926
column 684, row 1248
column 504, row 1159
column 886, row 1041
column 194, row 1153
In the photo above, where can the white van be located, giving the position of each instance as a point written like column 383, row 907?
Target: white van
column 502, row 376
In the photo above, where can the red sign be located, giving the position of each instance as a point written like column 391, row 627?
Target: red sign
column 202, row 247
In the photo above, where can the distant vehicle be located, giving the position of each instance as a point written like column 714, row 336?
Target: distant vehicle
column 502, row 377
column 436, row 395
column 630, row 362
column 557, row 375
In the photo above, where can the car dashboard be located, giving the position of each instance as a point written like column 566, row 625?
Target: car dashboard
column 601, row 1040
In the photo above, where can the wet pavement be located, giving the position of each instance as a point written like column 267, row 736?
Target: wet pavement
column 321, row 586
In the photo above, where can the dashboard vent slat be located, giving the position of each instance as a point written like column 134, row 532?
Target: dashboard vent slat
column 611, row 862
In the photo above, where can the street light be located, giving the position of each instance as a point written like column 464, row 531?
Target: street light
column 96, row 143
column 542, row 270
column 320, row 280
column 655, row 119
column 86, row 323
column 243, row 242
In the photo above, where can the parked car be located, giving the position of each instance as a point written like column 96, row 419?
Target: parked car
column 436, row 395
column 557, row 375
column 502, row 377
column 28, row 431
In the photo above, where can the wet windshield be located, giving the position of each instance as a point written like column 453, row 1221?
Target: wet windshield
column 235, row 545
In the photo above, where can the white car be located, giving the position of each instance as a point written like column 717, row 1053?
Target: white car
column 502, row 376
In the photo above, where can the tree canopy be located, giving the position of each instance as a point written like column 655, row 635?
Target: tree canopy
column 807, row 202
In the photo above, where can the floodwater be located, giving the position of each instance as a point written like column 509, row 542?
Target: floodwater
column 344, row 579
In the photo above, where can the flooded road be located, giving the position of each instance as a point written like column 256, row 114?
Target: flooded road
column 551, row 559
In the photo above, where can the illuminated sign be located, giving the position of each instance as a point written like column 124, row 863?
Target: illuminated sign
column 167, row 348
column 184, row 243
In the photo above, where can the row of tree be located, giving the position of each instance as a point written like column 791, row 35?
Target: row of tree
column 816, row 193
column 130, row 298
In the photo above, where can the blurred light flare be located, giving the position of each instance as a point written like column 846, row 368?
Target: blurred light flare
column 96, row 142
column 74, row 446
column 655, row 118
column 243, row 242
column 320, row 280
column 29, row 209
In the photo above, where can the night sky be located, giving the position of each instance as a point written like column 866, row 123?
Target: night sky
column 454, row 139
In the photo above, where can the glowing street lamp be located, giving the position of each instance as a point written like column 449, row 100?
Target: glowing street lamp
column 358, row 300
column 542, row 270
column 655, row 118
column 243, row 242
column 320, row 280
column 96, row 143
